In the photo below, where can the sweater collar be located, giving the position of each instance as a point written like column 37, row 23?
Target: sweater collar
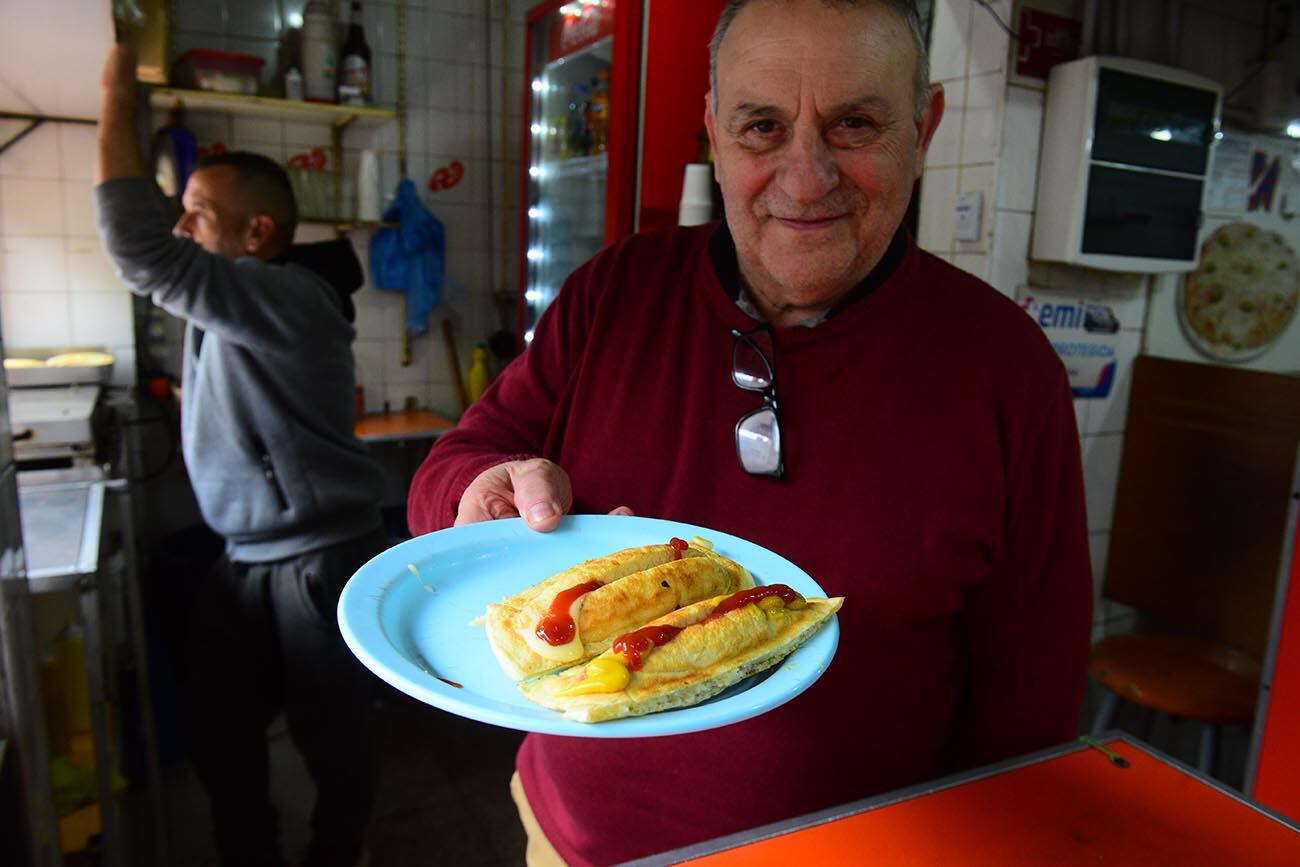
column 722, row 254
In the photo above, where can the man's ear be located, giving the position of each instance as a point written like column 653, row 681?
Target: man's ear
column 709, row 127
column 927, row 123
column 261, row 228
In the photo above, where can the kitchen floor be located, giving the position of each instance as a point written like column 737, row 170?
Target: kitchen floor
column 443, row 796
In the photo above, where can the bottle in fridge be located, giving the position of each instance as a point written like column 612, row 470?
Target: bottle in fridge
column 613, row 98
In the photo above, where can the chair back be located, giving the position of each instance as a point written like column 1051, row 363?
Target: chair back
column 1201, row 504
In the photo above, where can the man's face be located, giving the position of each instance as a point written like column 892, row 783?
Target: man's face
column 816, row 145
column 213, row 217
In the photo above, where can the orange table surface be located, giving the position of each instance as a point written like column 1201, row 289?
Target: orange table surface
column 402, row 425
column 1070, row 809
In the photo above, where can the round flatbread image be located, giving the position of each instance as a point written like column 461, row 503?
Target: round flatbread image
column 1242, row 295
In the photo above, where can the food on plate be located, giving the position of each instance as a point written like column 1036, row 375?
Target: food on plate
column 22, row 363
column 1243, row 293
column 686, row 656
column 576, row 614
column 80, row 359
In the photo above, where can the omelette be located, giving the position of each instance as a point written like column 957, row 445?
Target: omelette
column 576, row 614
column 686, row 656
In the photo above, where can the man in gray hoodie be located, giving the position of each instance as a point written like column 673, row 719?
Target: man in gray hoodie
column 267, row 434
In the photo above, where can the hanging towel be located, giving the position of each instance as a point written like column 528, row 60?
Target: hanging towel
column 410, row 258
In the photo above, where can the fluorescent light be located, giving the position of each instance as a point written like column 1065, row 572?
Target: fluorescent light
column 532, row 296
column 1161, row 134
column 538, row 85
column 536, row 129
column 534, row 253
column 294, row 19
column 1293, row 128
column 528, row 336
column 535, row 171
column 534, row 213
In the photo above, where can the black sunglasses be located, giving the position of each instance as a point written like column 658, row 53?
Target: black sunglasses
column 758, row 433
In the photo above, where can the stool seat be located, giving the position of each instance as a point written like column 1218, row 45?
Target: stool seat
column 1183, row 677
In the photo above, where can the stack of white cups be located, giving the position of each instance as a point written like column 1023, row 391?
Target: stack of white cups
column 697, row 199
column 368, row 198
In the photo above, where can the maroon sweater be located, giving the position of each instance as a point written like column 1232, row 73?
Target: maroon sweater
column 932, row 478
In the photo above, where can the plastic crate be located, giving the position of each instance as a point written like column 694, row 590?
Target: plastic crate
column 220, row 71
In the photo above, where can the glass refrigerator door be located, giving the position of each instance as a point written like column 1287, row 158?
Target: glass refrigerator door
column 570, row 54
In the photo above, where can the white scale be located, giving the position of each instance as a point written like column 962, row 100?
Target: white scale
column 53, row 422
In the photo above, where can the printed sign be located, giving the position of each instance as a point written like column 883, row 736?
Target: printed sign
column 1084, row 335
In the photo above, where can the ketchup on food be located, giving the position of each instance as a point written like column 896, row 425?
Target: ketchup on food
column 556, row 626
column 633, row 646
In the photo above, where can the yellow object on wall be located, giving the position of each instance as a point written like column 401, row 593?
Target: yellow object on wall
column 478, row 378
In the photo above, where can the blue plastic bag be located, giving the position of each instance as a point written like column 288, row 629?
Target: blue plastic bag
column 410, row 258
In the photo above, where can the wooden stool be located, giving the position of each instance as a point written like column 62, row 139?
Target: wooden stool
column 1188, row 678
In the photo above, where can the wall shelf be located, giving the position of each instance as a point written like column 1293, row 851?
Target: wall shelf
column 270, row 107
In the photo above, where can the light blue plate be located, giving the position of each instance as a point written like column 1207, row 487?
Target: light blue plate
column 406, row 615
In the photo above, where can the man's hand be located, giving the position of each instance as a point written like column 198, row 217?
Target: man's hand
column 536, row 490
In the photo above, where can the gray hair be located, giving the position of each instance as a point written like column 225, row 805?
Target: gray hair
column 905, row 8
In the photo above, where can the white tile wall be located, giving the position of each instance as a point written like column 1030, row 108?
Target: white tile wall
column 939, row 188
column 56, row 286
column 989, row 41
column 969, row 60
column 945, row 147
column 1010, row 250
column 1021, row 134
column 950, row 39
column 982, row 126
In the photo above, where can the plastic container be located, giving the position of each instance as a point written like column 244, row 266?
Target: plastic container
column 294, row 85
column 319, row 52
column 220, row 71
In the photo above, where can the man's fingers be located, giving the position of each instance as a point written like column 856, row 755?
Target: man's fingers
column 536, row 490
column 488, row 497
column 542, row 492
column 622, row 510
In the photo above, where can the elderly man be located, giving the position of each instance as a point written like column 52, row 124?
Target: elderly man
column 900, row 430
column 266, row 432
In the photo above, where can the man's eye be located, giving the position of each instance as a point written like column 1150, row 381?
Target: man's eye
column 763, row 127
column 854, row 130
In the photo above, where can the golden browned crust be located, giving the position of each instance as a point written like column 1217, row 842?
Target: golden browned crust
column 705, row 658
column 640, row 584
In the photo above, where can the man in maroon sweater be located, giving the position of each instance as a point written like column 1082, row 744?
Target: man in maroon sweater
column 922, row 459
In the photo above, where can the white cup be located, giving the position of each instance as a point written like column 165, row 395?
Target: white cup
column 697, row 195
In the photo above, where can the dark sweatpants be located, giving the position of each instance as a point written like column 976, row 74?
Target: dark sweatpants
column 265, row 639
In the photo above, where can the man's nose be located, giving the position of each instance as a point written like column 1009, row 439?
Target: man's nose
column 809, row 172
column 184, row 226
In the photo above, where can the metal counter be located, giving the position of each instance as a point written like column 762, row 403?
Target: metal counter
column 62, row 522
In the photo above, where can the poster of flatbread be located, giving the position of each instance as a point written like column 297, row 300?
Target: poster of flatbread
column 1243, row 294
column 1238, row 305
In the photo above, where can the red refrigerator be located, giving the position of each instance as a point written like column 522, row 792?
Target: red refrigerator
column 613, row 111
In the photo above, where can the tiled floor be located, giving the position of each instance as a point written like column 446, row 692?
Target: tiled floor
column 443, row 796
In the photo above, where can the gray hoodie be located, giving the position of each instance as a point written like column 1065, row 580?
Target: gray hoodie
column 267, row 383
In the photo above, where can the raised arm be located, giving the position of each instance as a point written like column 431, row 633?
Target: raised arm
column 119, row 151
